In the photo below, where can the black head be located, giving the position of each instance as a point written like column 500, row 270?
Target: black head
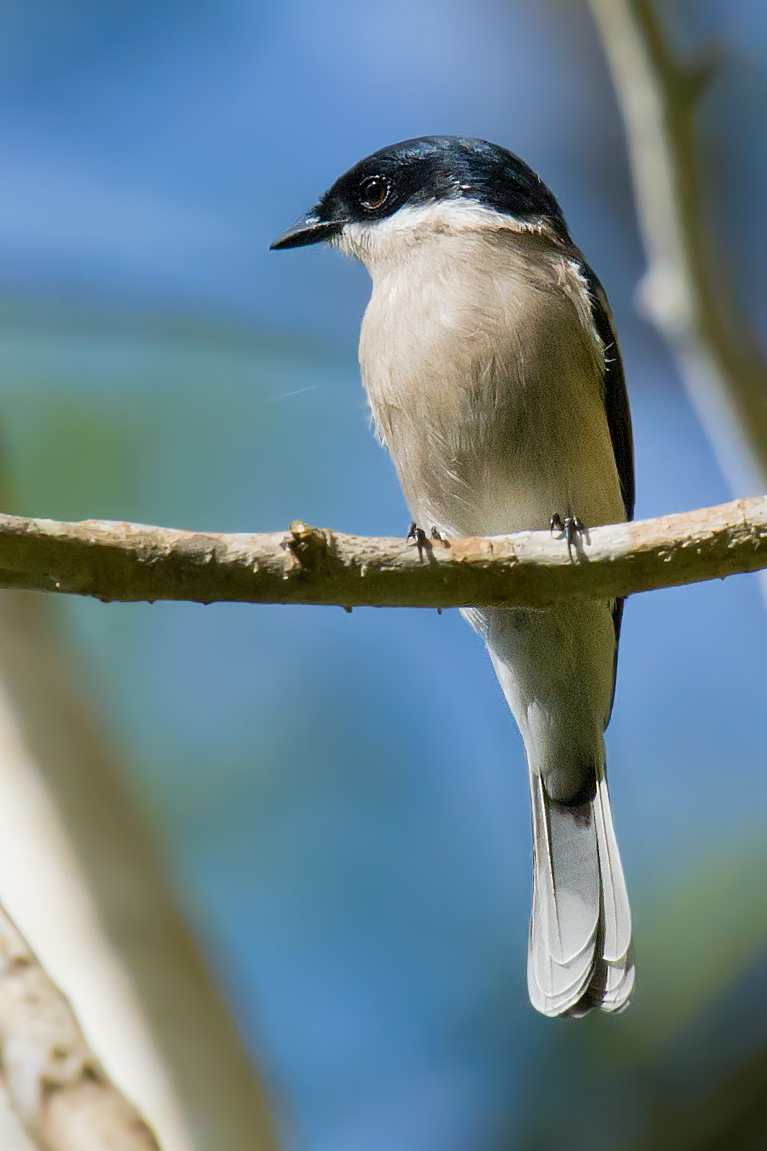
column 426, row 171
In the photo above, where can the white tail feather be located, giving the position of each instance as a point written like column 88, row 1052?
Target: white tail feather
column 616, row 947
column 580, row 931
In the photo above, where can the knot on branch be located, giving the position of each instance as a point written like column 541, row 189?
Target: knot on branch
column 694, row 76
column 312, row 548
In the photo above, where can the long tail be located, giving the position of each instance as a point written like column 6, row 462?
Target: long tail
column 580, row 953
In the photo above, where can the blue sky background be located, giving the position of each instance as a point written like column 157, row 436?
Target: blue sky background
column 342, row 799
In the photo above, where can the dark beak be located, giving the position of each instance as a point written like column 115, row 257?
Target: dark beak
column 310, row 229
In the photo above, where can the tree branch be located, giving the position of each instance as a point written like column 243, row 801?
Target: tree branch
column 55, row 1083
column 685, row 287
column 129, row 562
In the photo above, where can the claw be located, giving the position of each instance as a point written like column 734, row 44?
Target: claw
column 570, row 527
column 421, row 540
column 417, row 535
column 574, row 525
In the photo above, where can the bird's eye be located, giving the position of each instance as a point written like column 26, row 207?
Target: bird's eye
column 373, row 192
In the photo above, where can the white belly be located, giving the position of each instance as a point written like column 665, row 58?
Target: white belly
column 484, row 375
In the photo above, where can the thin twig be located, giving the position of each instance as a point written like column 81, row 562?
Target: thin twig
column 54, row 1081
column 129, row 562
column 685, row 290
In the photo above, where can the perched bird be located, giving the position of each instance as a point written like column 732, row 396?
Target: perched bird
column 493, row 372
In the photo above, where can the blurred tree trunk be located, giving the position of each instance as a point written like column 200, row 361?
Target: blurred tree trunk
column 81, row 878
column 55, row 1082
column 687, row 290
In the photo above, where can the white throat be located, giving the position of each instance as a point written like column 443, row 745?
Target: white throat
column 384, row 241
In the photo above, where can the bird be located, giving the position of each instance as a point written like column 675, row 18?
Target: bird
column 494, row 376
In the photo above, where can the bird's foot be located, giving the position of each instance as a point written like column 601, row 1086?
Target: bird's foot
column 570, row 527
column 420, row 539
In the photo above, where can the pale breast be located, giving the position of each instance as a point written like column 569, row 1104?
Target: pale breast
column 485, row 375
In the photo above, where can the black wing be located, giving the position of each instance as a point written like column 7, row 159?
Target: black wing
column 616, row 396
column 618, row 416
